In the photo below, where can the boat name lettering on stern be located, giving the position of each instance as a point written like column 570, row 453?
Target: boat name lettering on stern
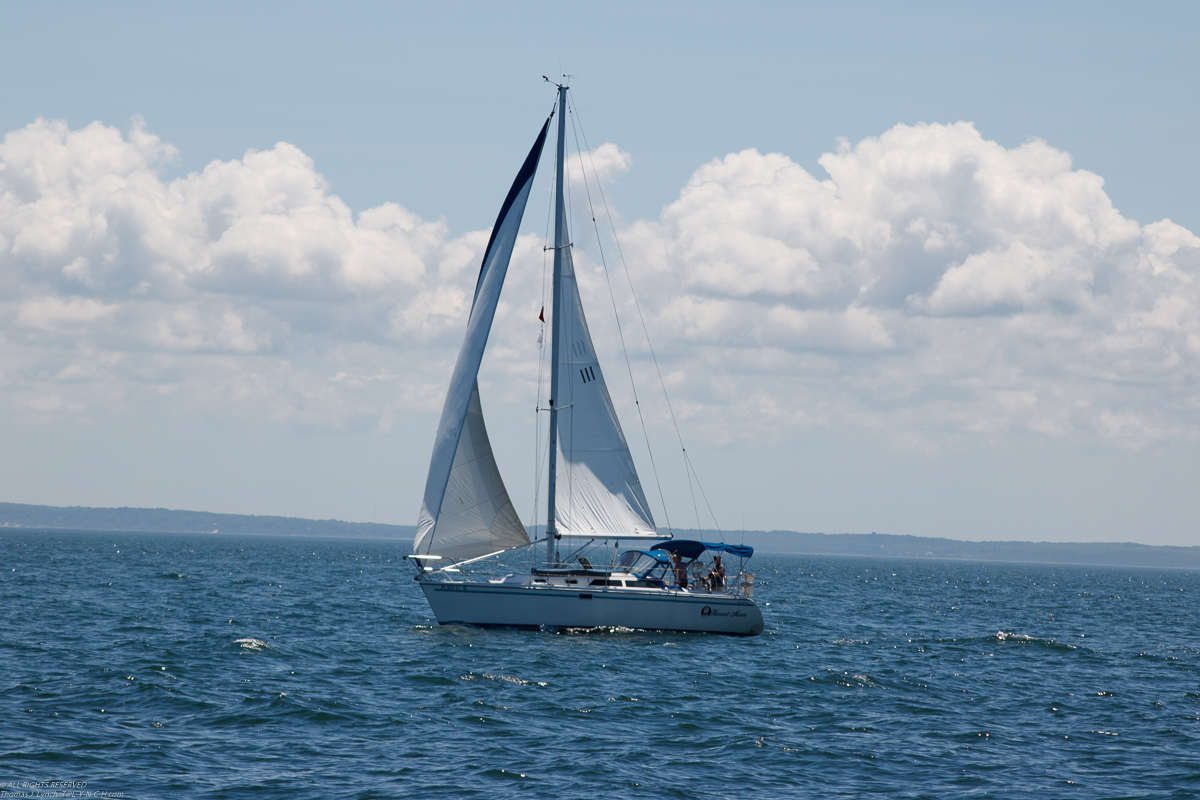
column 707, row 611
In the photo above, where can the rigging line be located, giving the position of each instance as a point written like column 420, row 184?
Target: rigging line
column 612, row 296
column 537, row 428
column 687, row 463
column 704, row 496
column 567, row 332
column 540, row 459
column 641, row 317
column 578, row 550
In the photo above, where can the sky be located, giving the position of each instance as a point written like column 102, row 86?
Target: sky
column 920, row 268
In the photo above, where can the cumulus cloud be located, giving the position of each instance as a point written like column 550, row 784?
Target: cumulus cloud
column 246, row 282
column 953, row 286
column 930, row 284
column 603, row 163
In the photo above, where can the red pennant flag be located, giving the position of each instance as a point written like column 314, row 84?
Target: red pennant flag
column 542, row 314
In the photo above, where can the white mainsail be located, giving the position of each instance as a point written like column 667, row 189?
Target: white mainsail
column 466, row 511
column 598, row 492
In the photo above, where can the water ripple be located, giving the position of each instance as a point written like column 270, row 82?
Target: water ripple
column 224, row 667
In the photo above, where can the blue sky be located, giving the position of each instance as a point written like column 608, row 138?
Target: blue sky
column 410, row 88
column 432, row 108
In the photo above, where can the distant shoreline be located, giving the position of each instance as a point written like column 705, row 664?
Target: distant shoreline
column 282, row 534
column 16, row 516
column 1098, row 554
column 163, row 520
column 966, row 560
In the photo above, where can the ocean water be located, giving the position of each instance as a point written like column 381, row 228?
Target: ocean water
column 189, row 666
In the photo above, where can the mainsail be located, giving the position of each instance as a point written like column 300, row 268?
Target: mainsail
column 597, row 492
column 466, row 511
column 594, row 488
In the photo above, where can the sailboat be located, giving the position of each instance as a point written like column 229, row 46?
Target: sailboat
column 469, row 536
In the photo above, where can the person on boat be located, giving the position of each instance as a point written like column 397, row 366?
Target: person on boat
column 680, row 572
column 716, row 575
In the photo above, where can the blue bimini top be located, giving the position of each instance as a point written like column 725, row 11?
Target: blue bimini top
column 691, row 550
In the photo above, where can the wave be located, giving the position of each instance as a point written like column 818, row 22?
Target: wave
column 1009, row 637
column 473, row 676
column 599, row 629
column 252, row 645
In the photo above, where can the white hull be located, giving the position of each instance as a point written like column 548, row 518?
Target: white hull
column 490, row 604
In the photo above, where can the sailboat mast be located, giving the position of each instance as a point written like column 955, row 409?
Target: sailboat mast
column 560, row 242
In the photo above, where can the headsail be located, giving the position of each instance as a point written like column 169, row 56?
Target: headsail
column 466, row 511
column 598, row 491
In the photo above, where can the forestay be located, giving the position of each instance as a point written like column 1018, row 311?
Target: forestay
column 466, row 511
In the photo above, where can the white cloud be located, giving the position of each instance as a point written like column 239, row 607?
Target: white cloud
column 246, row 283
column 52, row 313
column 602, row 163
column 933, row 285
column 956, row 287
